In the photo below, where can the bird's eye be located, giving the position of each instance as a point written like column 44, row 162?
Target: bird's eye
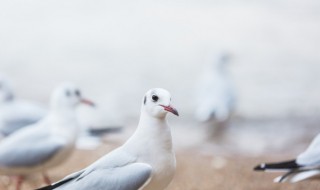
column 78, row 93
column 68, row 93
column 155, row 98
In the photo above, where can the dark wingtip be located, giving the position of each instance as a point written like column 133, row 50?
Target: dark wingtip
column 50, row 187
column 260, row 167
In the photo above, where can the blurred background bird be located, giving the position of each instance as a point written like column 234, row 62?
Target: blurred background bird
column 95, row 126
column 47, row 143
column 16, row 113
column 215, row 94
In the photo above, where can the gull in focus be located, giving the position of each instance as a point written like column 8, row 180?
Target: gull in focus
column 145, row 162
column 15, row 113
column 306, row 165
column 46, row 143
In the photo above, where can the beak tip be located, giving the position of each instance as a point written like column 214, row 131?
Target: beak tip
column 171, row 110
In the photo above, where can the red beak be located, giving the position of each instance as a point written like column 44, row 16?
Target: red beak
column 88, row 102
column 170, row 109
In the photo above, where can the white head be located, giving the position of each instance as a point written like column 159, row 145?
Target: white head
column 67, row 96
column 157, row 103
column 6, row 93
column 221, row 60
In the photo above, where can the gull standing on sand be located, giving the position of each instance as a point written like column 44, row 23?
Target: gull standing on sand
column 215, row 93
column 46, row 143
column 15, row 113
column 145, row 162
column 305, row 166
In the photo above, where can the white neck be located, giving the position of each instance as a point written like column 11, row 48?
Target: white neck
column 151, row 131
column 63, row 112
column 63, row 124
column 148, row 121
column 64, row 120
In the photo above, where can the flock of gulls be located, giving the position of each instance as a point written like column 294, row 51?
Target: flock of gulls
column 41, row 140
column 35, row 139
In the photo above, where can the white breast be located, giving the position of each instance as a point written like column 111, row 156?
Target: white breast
column 158, row 153
column 163, row 171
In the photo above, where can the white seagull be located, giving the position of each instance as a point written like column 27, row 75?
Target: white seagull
column 46, row 143
column 145, row 162
column 15, row 113
column 215, row 93
column 305, row 166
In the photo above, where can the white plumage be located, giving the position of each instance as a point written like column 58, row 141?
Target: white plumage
column 305, row 166
column 215, row 92
column 46, row 143
column 15, row 113
column 145, row 162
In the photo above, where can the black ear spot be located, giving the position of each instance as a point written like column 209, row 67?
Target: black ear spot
column 144, row 100
column 155, row 98
column 78, row 93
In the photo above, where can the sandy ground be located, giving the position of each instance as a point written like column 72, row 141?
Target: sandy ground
column 194, row 172
column 202, row 164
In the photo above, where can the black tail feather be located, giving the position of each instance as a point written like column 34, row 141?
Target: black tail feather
column 49, row 187
column 53, row 186
column 292, row 164
column 104, row 130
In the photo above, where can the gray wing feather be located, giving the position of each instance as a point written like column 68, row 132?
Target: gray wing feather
column 312, row 155
column 28, row 148
column 14, row 125
column 129, row 177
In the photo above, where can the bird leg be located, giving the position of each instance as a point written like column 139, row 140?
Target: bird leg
column 46, row 178
column 19, row 180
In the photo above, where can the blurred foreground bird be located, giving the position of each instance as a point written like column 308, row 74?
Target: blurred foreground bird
column 95, row 124
column 215, row 95
column 146, row 161
column 14, row 113
column 305, row 166
column 47, row 143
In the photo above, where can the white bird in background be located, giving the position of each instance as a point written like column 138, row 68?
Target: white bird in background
column 215, row 94
column 95, row 125
column 305, row 166
column 146, row 161
column 16, row 114
column 46, row 143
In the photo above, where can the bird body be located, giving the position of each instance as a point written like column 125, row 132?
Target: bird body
column 16, row 113
column 305, row 166
column 215, row 93
column 53, row 134
column 146, row 161
column 153, row 145
column 47, row 143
